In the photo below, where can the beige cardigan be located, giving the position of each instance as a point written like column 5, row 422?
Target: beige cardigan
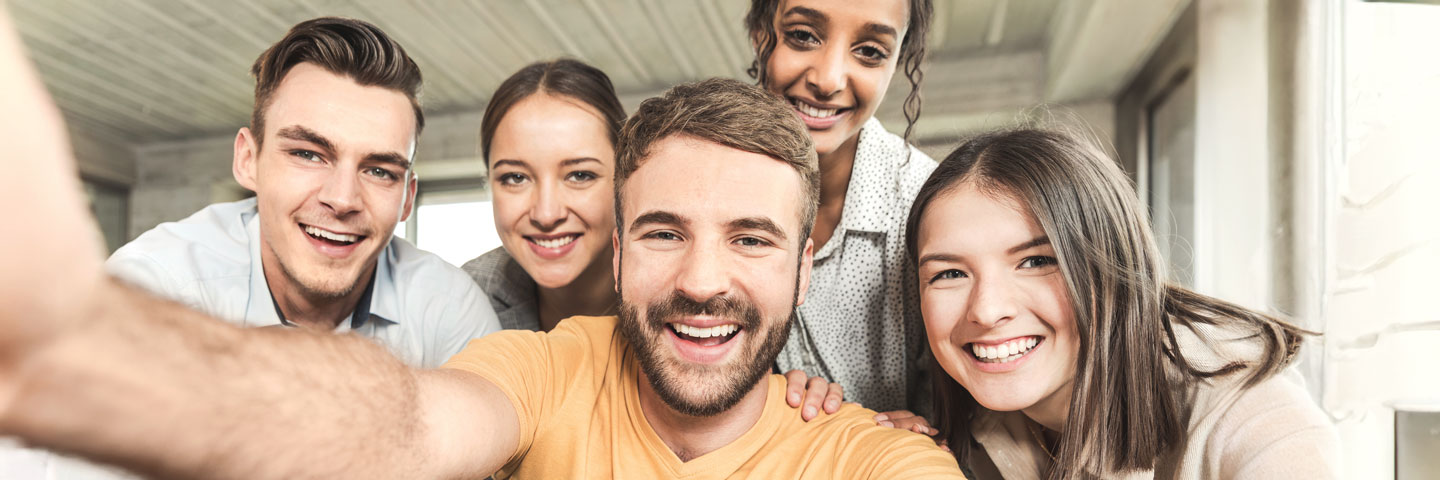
column 1270, row 431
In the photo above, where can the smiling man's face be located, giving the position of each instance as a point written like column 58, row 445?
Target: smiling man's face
column 710, row 269
column 331, row 177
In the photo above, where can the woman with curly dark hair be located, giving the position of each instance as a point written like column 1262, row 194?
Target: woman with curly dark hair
column 833, row 61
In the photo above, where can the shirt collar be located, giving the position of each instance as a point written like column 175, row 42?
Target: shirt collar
column 378, row 303
column 873, row 179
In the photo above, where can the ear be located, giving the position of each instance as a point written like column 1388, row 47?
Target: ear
column 807, row 259
column 410, row 191
column 615, row 259
column 247, row 155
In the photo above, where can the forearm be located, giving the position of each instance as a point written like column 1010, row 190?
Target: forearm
column 163, row 390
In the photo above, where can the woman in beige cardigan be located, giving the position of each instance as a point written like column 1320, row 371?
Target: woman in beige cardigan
column 1064, row 350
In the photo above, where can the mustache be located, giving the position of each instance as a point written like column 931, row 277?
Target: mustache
column 742, row 312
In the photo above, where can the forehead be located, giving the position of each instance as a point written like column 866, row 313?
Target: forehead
column 711, row 183
column 892, row 13
column 367, row 118
column 570, row 128
column 970, row 219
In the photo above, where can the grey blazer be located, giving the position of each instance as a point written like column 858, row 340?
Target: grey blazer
column 510, row 288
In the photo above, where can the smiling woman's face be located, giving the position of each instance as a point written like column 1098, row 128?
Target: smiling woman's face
column 551, row 167
column 833, row 61
column 996, row 309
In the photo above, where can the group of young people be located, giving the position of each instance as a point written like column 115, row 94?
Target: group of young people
column 1006, row 309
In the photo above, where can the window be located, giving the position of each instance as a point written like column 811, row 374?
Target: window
column 110, row 204
column 452, row 220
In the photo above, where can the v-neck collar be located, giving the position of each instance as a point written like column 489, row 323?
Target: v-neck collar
column 720, row 463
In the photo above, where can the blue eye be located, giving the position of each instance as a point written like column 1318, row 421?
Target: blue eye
column 752, row 242
column 380, row 173
column 663, row 235
column 305, row 155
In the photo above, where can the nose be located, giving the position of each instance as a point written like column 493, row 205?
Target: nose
column 827, row 76
column 993, row 302
column 547, row 211
column 703, row 275
column 341, row 192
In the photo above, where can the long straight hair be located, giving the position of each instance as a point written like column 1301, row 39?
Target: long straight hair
column 1126, row 410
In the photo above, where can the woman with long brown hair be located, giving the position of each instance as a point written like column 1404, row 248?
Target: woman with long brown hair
column 1062, row 348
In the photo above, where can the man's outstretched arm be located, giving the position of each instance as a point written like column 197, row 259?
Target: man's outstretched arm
column 92, row 367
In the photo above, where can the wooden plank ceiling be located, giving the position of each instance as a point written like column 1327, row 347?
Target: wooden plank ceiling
column 140, row 71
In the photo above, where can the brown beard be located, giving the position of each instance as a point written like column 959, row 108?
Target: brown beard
column 725, row 385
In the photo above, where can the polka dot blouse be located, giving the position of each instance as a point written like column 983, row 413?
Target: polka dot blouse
column 860, row 325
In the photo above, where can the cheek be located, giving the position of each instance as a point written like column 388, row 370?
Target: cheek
column 509, row 210
column 597, row 208
column 871, row 86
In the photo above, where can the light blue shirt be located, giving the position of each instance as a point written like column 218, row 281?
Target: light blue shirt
column 421, row 308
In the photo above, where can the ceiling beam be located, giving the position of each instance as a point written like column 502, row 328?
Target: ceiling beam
column 621, row 46
column 1090, row 58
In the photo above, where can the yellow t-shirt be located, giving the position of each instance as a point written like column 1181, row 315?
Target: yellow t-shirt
column 576, row 393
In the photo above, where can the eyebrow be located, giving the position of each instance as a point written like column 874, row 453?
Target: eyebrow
column 1034, row 242
column 758, row 223
column 939, row 257
column 810, row 13
column 299, row 133
column 946, row 257
column 877, row 29
column 658, row 217
column 302, row 134
column 577, row 161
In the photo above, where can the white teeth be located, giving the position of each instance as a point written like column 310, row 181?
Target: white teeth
column 554, row 242
column 328, row 235
column 1004, row 352
column 707, row 332
column 814, row 112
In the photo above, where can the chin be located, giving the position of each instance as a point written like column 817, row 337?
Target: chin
column 555, row 275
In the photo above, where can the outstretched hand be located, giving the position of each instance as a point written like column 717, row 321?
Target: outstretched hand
column 817, row 393
column 50, row 254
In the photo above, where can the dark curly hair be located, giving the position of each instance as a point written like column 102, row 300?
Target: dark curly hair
column 760, row 22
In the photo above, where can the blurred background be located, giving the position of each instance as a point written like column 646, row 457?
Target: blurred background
column 1287, row 148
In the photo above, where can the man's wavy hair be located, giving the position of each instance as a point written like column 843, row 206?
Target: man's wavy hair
column 727, row 112
column 343, row 46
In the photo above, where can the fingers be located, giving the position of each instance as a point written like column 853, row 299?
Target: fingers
column 906, row 420
column 833, row 399
column 815, row 390
column 794, row 386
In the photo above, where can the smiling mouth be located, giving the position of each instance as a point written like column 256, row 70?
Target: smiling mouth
column 815, row 112
column 705, row 336
column 555, row 242
column 329, row 237
column 1005, row 352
